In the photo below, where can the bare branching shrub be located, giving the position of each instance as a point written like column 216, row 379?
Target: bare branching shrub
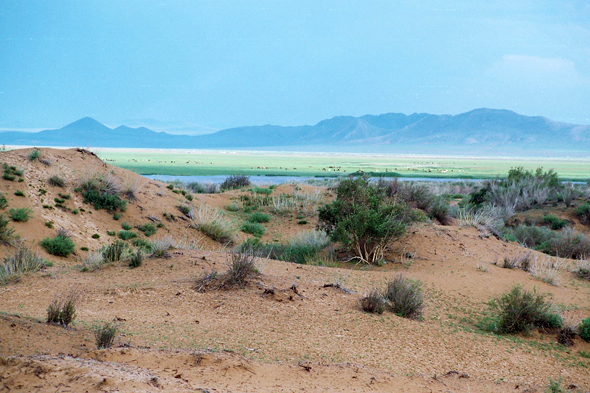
column 405, row 297
column 522, row 261
column 241, row 265
column 62, row 310
column 374, row 302
column 213, row 223
column 487, row 216
column 569, row 244
column 569, row 193
column 105, row 335
column 566, row 336
column 23, row 260
column 130, row 187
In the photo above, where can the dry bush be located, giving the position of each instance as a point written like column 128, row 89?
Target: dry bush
column 62, row 310
column 105, row 335
column 8, row 236
column 160, row 247
column 374, row 302
column 405, row 297
column 93, row 262
column 130, row 187
column 547, row 269
column 23, row 260
column 212, row 223
column 582, row 269
column 240, row 266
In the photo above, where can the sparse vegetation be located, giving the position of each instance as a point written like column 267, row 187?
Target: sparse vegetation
column 148, row 229
column 3, row 201
column 405, row 297
column 241, row 265
column 519, row 311
column 56, row 181
column 105, row 335
column 62, row 310
column 23, row 260
column 7, row 234
column 34, row 154
column 61, row 245
column 373, row 303
column 212, row 223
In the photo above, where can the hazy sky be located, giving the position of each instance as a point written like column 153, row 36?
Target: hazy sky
column 222, row 63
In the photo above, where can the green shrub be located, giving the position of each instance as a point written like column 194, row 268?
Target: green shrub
column 555, row 386
column 22, row 214
column 253, row 228
column 363, row 220
column 126, row 235
column 56, row 181
column 405, row 297
column 520, row 310
column 184, row 209
column 263, row 191
column 302, row 222
column 126, row 226
column 104, row 200
column 148, row 229
column 373, row 302
column 136, row 259
column 232, row 207
column 49, row 224
column 111, row 233
column 259, row 217
column 19, row 193
column 64, row 196
column 59, row 200
column 534, row 237
column 584, row 329
column 61, row 245
column 188, row 196
column 116, row 216
column 8, row 176
column 33, row 155
column 113, row 252
column 105, row 335
column 583, row 213
column 23, row 260
column 235, row 181
column 7, row 234
column 3, row 201
column 554, row 222
column 170, row 186
column 62, row 310
column 439, row 209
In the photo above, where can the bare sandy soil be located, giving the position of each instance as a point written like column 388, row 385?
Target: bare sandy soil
column 285, row 331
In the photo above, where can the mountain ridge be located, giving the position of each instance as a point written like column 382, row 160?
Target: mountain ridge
column 479, row 131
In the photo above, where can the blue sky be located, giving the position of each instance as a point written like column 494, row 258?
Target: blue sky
column 218, row 64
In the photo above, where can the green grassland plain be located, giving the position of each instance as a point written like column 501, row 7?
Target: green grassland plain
column 206, row 163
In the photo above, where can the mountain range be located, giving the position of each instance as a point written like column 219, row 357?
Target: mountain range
column 478, row 132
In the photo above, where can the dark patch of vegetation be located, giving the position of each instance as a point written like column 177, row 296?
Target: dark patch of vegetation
column 374, row 302
column 253, row 228
column 439, row 209
column 583, row 213
column 19, row 193
column 61, row 245
column 584, row 329
column 103, row 193
column 56, row 181
column 113, row 252
column 259, row 217
column 263, row 191
column 240, row 267
column 554, row 222
column 363, row 220
column 116, row 216
column 105, row 335
column 111, row 233
column 33, row 155
column 148, row 229
column 126, row 235
column 62, row 310
column 136, row 259
column 126, row 226
column 21, row 214
column 519, row 311
column 235, row 181
column 184, row 209
column 566, row 336
column 3, row 201
column 7, row 234
column 405, row 297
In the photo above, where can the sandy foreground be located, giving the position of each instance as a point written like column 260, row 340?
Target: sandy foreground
column 286, row 331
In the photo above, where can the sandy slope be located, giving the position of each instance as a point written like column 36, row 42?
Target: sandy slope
column 302, row 337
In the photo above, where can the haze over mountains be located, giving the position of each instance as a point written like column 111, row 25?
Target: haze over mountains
column 478, row 132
